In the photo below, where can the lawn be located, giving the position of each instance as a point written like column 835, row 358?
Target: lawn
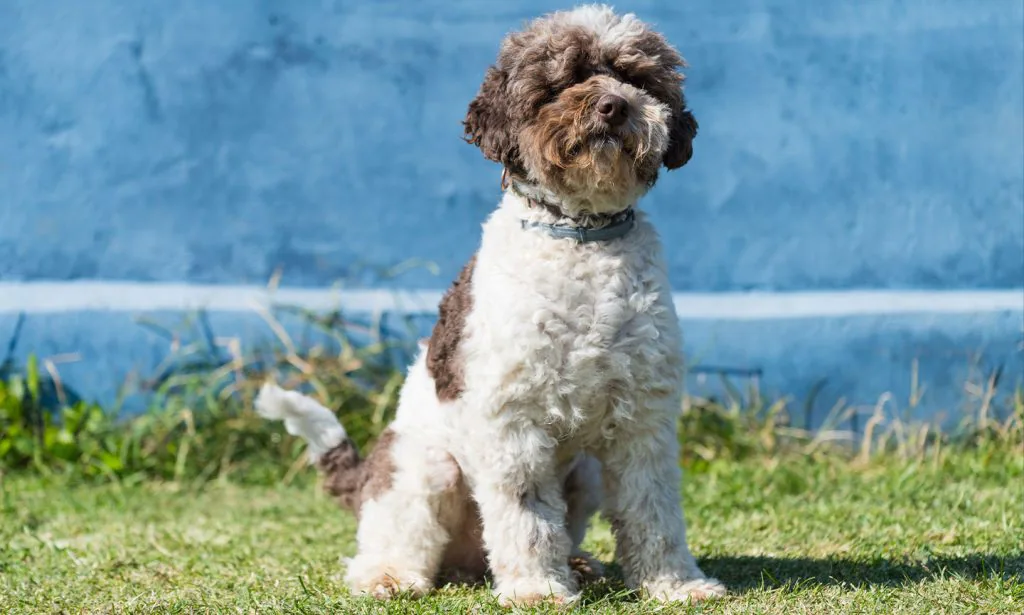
column 803, row 534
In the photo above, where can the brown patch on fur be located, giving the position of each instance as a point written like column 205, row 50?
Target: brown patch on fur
column 682, row 131
column 529, row 72
column 444, row 362
column 354, row 481
column 488, row 125
column 379, row 468
column 342, row 474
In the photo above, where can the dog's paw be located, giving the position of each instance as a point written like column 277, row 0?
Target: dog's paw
column 386, row 584
column 384, row 588
column 525, row 593
column 693, row 590
column 586, row 568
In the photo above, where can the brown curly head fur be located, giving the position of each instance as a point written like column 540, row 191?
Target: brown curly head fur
column 535, row 111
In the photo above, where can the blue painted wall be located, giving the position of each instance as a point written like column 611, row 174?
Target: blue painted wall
column 876, row 144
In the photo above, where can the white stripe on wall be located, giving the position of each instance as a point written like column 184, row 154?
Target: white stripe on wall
column 55, row 297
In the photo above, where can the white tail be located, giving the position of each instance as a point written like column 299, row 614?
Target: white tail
column 303, row 416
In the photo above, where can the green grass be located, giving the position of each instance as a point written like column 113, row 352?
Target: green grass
column 804, row 534
column 198, row 505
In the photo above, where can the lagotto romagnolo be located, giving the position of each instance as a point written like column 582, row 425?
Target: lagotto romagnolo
column 551, row 385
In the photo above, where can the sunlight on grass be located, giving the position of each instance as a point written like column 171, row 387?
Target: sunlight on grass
column 812, row 535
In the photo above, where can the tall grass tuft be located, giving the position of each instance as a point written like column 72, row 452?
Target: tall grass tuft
column 200, row 425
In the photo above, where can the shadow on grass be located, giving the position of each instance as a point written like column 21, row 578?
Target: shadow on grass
column 742, row 574
column 746, row 573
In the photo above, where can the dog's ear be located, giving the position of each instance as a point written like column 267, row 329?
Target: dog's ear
column 682, row 131
column 488, row 125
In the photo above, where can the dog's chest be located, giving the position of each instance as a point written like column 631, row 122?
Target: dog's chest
column 579, row 330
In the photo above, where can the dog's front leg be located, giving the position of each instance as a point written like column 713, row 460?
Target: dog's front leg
column 642, row 480
column 523, row 512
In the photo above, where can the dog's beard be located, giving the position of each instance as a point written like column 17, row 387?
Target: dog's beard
column 599, row 168
column 605, row 166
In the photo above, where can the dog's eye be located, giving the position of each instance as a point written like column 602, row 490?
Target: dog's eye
column 637, row 82
column 582, row 73
column 574, row 150
column 545, row 97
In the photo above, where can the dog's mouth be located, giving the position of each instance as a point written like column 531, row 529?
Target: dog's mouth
column 597, row 144
column 607, row 141
column 621, row 148
column 615, row 142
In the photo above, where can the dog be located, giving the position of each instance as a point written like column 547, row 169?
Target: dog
column 551, row 382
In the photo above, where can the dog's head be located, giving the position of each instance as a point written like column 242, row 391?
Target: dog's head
column 586, row 104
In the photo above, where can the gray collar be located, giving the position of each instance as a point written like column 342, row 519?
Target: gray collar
column 621, row 224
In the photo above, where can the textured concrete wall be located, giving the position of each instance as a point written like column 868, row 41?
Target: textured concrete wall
column 877, row 144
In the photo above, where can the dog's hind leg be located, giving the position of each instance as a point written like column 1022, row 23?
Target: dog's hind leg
column 397, row 492
column 401, row 536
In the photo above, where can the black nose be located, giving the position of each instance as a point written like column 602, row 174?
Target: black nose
column 612, row 109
